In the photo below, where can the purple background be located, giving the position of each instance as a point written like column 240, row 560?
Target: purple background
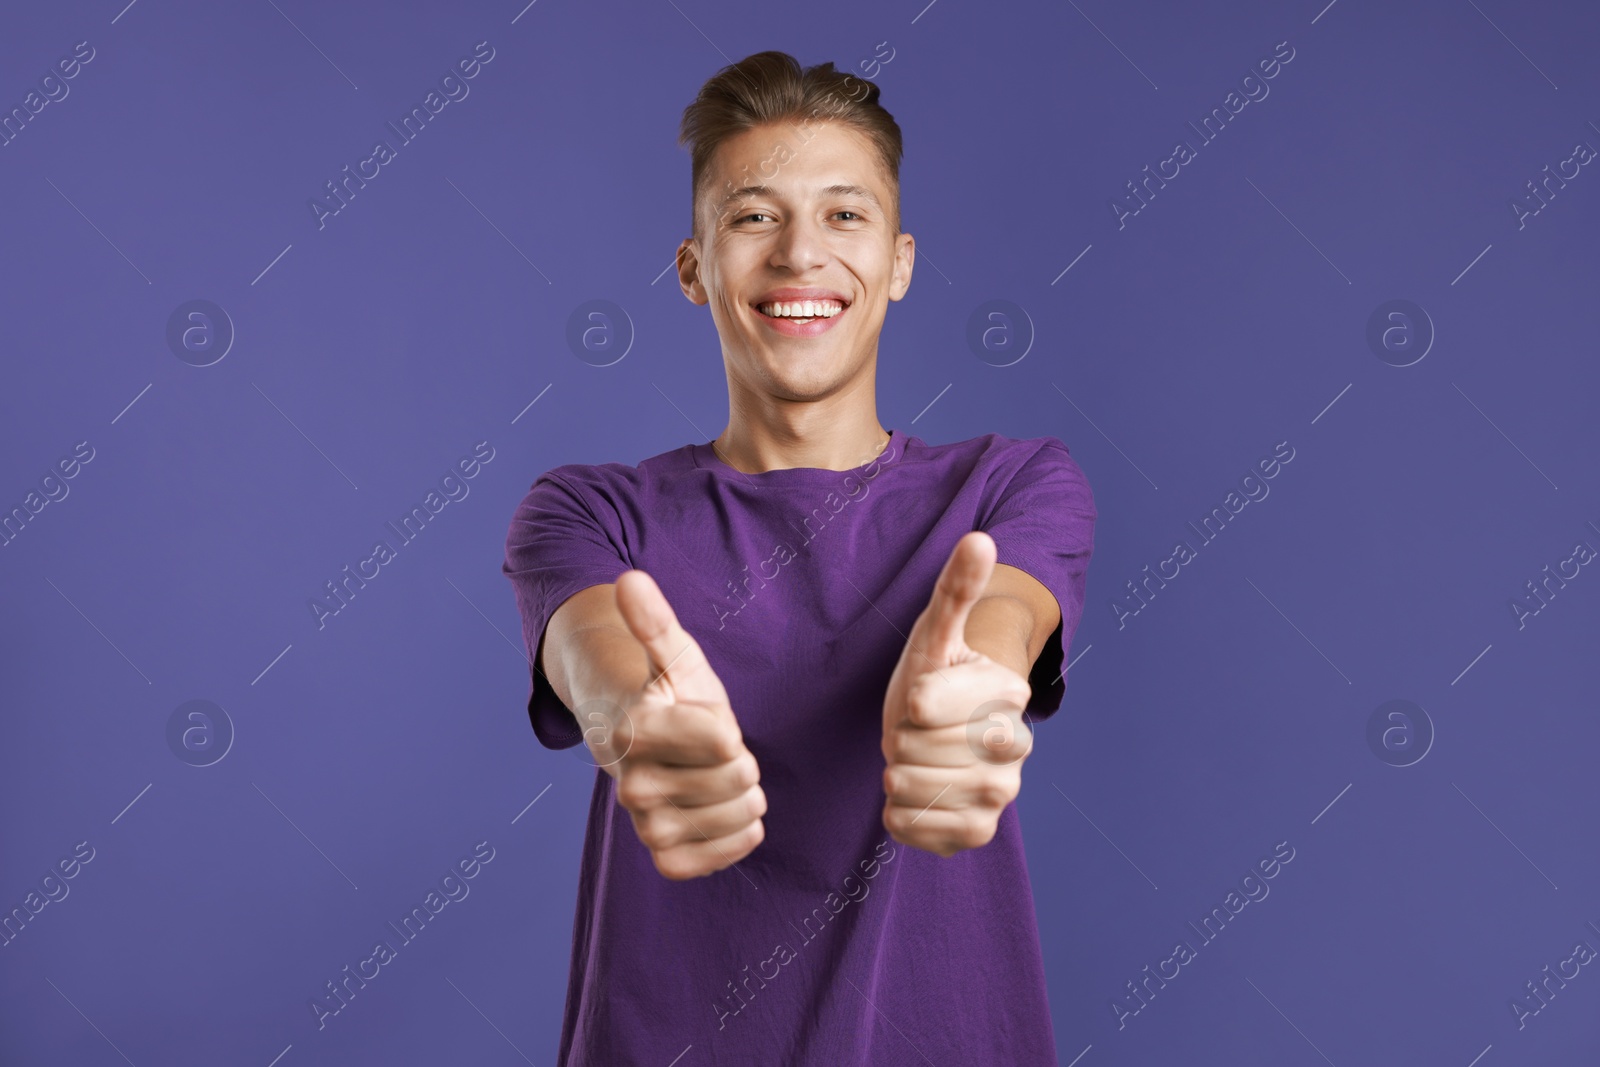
column 1228, row 315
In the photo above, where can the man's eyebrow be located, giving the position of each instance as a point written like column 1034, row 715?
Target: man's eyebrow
column 752, row 191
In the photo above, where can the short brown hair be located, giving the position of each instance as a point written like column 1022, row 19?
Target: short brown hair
column 770, row 87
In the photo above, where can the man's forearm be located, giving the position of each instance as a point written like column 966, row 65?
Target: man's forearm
column 1001, row 627
column 597, row 663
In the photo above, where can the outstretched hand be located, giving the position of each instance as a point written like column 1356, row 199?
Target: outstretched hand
column 675, row 749
column 953, row 735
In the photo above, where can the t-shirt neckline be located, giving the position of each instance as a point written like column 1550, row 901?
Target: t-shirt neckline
column 705, row 457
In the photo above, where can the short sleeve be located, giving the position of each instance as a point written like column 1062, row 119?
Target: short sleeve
column 1043, row 523
column 558, row 545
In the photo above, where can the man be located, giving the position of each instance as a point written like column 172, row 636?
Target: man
column 802, row 652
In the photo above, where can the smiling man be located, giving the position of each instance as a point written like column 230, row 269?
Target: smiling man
column 806, row 653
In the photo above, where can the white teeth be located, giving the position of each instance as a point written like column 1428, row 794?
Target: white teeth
column 803, row 309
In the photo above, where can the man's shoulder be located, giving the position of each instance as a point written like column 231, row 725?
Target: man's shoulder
column 998, row 455
column 616, row 477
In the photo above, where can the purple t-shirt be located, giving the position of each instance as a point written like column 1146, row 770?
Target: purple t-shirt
column 830, row 943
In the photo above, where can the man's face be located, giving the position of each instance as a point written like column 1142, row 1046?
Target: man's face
column 821, row 221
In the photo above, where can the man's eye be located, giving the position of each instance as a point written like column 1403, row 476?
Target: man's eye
column 752, row 215
column 847, row 212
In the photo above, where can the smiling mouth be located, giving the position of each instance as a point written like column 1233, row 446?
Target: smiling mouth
column 801, row 312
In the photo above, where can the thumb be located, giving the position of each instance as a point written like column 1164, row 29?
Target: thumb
column 940, row 631
column 676, row 660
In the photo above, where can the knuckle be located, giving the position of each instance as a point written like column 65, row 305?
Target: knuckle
column 749, row 769
column 673, row 864
column 975, row 831
column 756, row 802
column 631, row 792
column 900, row 744
column 995, row 792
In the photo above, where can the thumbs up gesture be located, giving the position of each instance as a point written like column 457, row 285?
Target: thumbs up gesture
column 953, row 735
column 675, row 749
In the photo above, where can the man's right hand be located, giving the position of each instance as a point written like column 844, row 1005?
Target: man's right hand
column 679, row 759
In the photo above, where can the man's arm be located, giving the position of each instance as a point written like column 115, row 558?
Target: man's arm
column 587, row 652
column 663, row 726
column 1013, row 619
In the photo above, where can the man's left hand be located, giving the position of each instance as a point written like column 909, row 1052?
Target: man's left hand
column 953, row 735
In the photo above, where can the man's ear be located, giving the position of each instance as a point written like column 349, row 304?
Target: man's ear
column 689, row 273
column 905, row 257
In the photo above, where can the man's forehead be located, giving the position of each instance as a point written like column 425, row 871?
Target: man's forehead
column 835, row 188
